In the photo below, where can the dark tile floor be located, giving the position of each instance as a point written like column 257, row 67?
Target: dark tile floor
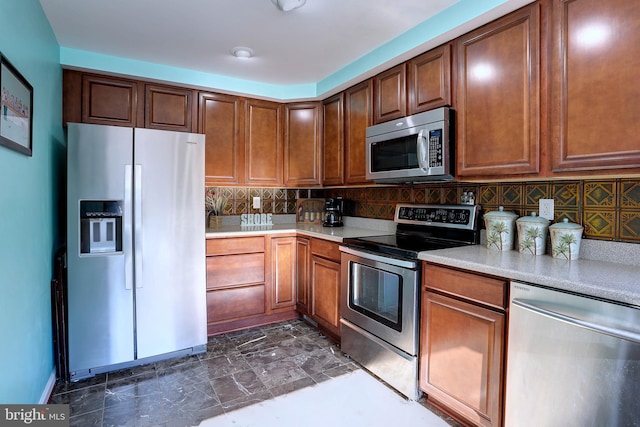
column 238, row 369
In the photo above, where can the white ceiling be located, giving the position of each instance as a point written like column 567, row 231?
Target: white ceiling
column 302, row 46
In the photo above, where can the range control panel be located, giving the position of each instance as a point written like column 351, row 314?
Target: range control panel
column 449, row 216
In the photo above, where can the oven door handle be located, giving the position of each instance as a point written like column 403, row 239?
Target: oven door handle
column 380, row 258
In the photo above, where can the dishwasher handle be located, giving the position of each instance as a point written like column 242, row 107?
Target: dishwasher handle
column 582, row 323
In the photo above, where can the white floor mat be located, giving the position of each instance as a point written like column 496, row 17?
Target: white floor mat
column 354, row 399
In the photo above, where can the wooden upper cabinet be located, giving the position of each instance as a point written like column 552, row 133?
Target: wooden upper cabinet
column 390, row 90
column 105, row 100
column 333, row 138
column 221, row 119
column 498, row 105
column 595, row 93
column 263, row 143
column 169, row 108
column 302, row 144
column 429, row 80
column 109, row 101
column 358, row 116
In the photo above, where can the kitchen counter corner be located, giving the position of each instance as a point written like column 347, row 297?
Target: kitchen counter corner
column 600, row 279
column 335, row 234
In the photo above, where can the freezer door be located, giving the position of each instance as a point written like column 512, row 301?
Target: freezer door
column 169, row 241
column 100, row 300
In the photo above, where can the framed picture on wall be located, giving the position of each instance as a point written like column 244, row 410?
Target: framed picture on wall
column 16, row 109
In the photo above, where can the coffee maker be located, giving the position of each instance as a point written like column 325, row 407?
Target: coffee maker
column 333, row 208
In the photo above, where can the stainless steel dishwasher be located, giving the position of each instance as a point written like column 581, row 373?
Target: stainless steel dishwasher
column 572, row 360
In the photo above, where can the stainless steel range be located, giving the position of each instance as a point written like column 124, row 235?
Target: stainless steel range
column 380, row 288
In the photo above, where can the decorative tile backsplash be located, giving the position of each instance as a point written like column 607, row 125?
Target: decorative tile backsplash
column 608, row 209
column 239, row 200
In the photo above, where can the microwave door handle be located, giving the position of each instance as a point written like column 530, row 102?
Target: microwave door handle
column 423, row 152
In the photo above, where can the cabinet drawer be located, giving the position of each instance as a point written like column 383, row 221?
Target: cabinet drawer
column 235, row 303
column 485, row 290
column 229, row 270
column 325, row 249
column 238, row 245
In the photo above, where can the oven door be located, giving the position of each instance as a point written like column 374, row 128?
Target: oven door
column 380, row 295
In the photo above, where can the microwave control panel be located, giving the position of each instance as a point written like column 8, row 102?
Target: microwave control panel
column 435, row 148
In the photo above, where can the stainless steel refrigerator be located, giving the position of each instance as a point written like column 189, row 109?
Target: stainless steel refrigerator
column 135, row 247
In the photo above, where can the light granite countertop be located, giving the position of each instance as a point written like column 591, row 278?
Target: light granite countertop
column 597, row 278
column 608, row 270
column 354, row 227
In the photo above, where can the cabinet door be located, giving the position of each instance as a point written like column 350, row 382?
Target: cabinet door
column 461, row 357
column 429, row 78
column 325, row 293
column 109, row 101
column 390, row 89
column 333, row 134
column 71, row 97
column 358, row 116
column 302, row 142
column 283, row 272
column 595, row 92
column 498, row 107
column 263, row 143
column 222, row 121
column 168, row 108
column 303, row 258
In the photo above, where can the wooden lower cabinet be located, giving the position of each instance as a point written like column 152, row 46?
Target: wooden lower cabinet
column 256, row 280
column 462, row 348
column 283, row 272
column 325, row 286
column 250, row 282
column 303, row 285
column 235, row 303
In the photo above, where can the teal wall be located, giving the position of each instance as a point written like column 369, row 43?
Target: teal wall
column 29, row 217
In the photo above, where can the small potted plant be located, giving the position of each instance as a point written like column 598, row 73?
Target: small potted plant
column 215, row 205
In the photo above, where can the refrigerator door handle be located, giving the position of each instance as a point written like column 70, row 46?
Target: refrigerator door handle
column 127, row 232
column 137, row 224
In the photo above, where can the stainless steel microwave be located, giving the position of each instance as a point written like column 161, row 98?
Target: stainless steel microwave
column 413, row 149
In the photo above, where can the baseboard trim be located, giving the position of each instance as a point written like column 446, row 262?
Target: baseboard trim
column 48, row 389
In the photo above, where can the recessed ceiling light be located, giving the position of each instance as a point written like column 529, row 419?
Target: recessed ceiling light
column 242, row 52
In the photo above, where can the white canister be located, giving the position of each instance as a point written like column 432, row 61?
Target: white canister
column 500, row 227
column 565, row 239
column 532, row 234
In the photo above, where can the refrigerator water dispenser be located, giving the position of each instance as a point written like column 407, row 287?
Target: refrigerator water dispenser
column 100, row 226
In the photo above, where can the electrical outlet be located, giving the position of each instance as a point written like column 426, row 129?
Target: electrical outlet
column 256, row 203
column 546, row 208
